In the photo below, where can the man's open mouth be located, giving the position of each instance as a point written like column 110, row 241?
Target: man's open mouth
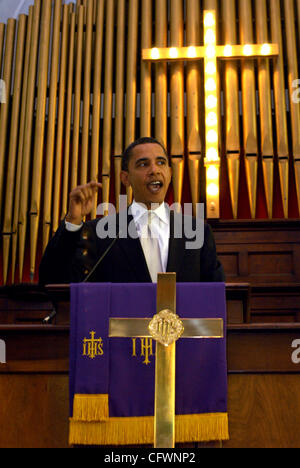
column 155, row 186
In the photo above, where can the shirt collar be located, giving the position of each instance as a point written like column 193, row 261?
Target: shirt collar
column 138, row 211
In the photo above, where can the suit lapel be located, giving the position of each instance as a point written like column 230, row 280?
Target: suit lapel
column 176, row 245
column 132, row 248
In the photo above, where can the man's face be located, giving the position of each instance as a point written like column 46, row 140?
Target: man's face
column 149, row 174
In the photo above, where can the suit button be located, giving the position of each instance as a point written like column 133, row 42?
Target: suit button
column 84, row 252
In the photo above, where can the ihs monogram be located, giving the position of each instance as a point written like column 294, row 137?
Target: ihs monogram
column 146, row 349
column 92, row 347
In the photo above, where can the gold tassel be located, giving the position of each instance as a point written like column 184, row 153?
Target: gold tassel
column 139, row 430
column 201, row 427
column 90, row 407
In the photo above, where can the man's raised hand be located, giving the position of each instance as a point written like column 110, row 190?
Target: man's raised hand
column 81, row 201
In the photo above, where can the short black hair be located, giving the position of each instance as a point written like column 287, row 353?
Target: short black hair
column 140, row 141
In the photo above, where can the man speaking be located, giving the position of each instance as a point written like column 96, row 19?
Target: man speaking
column 152, row 240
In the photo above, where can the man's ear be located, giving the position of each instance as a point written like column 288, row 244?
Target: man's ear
column 125, row 178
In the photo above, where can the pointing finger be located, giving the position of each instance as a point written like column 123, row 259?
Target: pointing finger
column 95, row 185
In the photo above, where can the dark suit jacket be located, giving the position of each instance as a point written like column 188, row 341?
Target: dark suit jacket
column 70, row 256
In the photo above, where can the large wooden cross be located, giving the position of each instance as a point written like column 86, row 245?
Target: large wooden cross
column 165, row 327
column 211, row 52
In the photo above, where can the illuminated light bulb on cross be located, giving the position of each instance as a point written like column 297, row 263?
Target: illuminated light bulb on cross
column 192, row 52
column 228, row 50
column 210, row 51
column 210, row 37
column 209, row 20
column 212, row 173
column 210, row 85
column 265, row 49
column 247, row 50
column 173, row 52
column 212, row 190
column 155, row 53
column 212, row 155
column 211, row 102
column 211, row 119
column 212, row 136
column 210, row 68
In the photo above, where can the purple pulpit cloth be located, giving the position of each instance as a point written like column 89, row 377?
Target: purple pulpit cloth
column 124, row 368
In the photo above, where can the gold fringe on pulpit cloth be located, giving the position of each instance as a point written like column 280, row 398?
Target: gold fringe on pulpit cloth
column 90, row 407
column 140, row 430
